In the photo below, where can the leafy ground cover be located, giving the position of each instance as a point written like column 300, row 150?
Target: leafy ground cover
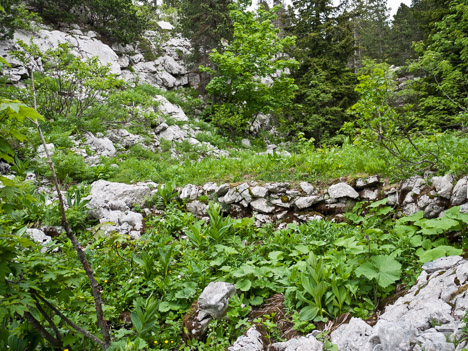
column 324, row 269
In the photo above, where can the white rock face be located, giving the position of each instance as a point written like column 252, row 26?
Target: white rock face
column 340, row 190
column 307, row 188
column 169, row 109
column 426, row 318
column 189, row 192
column 83, row 46
column 251, row 341
column 259, row 191
column 124, row 138
column 198, row 208
column 106, row 195
column 171, row 66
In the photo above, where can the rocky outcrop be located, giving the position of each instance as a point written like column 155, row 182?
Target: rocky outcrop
column 428, row 317
column 166, row 71
column 112, row 204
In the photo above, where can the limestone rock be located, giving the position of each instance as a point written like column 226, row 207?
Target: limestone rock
column 352, row 336
column 305, row 202
column 371, row 181
column 259, row 191
column 124, row 137
column 119, row 196
column 165, row 25
column 261, row 205
column 309, row 343
column 102, row 146
column 173, row 133
column 341, row 190
column 41, row 152
column 214, row 300
column 369, row 195
column 198, row 208
column 38, row 236
column 307, row 188
column 443, row 185
column 210, row 188
column 277, row 188
column 460, row 192
column 246, row 143
column 169, row 109
column 251, row 341
column 223, row 189
column 189, row 192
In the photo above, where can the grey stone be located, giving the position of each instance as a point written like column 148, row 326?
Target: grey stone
column 342, row 190
column 352, row 336
column 232, row 196
column 165, row 25
column 259, row 191
column 277, row 188
column 307, row 188
column 369, row 194
column 161, row 128
column 414, row 184
column 169, row 109
column 189, row 192
column 102, row 146
column 362, row 183
column 38, row 236
column 443, row 185
column 4, row 168
column 423, row 201
column 223, row 189
column 460, row 192
column 431, row 340
column 170, row 65
column 41, row 152
column 464, row 208
column 442, row 263
column 432, row 210
column 308, row 343
column 124, row 137
column 261, row 205
column 173, row 133
column 283, row 201
column 410, row 209
column 210, row 188
column 198, row 208
column 251, row 341
column 246, row 143
column 305, row 202
column 104, row 193
column 214, row 300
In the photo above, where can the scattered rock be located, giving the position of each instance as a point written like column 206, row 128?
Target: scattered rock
column 259, row 191
column 460, row 192
column 371, row 181
column 307, row 188
column 305, row 202
column 41, row 152
column 251, row 341
column 198, row 208
column 169, row 109
column 246, row 143
column 352, row 336
column 102, row 146
column 304, row 343
column 189, row 192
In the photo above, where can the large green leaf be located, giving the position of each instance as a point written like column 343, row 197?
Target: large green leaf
column 438, row 252
column 308, row 313
column 384, row 269
column 244, row 285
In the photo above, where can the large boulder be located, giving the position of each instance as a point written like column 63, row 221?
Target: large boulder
column 251, row 341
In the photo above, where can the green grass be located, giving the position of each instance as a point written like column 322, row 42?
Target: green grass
column 313, row 165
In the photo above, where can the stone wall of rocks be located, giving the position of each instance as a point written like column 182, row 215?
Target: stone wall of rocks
column 282, row 202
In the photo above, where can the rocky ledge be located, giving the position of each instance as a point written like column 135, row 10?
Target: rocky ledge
column 429, row 317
